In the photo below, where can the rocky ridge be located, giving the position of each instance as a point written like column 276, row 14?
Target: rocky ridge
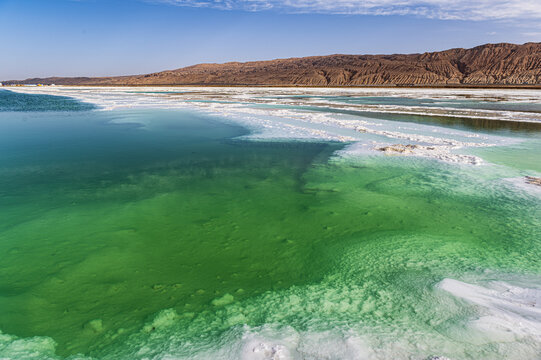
column 491, row 64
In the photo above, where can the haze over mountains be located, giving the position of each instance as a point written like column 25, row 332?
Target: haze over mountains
column 490, row 64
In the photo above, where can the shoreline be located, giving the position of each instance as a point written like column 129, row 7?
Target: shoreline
column 389, row 86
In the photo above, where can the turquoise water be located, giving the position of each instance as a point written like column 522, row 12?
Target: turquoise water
column 10, row 101
column 164, row 234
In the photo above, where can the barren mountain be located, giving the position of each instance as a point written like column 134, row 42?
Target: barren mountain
column 490, row 64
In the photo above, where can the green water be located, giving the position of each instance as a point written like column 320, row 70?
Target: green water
column 118, row 221
column 525, row 155
column 107, row 222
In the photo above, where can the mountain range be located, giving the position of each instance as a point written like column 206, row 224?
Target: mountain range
column 500, row 64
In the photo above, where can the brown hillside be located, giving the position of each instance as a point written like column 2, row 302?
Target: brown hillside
column 491, row 64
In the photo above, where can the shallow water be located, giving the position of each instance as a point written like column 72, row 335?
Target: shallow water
column 151, row 234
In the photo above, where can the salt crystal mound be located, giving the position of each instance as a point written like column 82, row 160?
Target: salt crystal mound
column 285, row 343
column 269, row 120
column 12, row 347
column 508, row 312
column 34, row 348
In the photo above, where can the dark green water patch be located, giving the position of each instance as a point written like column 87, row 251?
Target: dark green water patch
column 117, row 222
column 12, row 101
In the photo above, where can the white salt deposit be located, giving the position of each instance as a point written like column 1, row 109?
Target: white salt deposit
column 507, row 312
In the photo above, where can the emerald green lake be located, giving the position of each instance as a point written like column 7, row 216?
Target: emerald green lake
column 167, row 234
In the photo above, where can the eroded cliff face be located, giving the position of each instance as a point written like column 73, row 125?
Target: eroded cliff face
column 491, row 64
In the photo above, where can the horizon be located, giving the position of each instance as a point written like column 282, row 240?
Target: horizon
column 84, row 38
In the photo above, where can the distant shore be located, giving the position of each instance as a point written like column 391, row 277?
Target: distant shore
column 453, row 86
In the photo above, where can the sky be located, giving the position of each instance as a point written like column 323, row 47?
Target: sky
column 40, row 38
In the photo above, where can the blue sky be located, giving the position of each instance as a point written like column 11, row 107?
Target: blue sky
column 119, row 37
